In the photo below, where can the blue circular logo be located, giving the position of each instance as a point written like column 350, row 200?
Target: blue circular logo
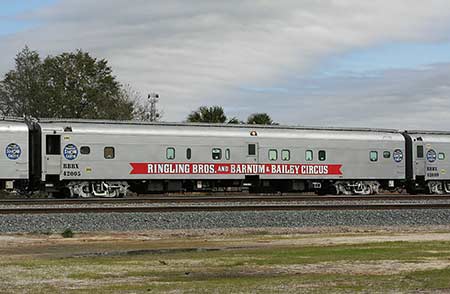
column 70, row 152
column 397, row 155
column 13, row 151
column 431, row 155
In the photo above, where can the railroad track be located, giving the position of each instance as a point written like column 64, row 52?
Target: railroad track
column 203, row 208
column 217, row 199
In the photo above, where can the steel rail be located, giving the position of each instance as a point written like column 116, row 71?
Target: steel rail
column 206, row 199
column 204, row 208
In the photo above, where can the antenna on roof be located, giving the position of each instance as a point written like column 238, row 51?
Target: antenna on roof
column 153, row 113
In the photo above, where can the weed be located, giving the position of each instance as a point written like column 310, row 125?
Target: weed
column 68, row 233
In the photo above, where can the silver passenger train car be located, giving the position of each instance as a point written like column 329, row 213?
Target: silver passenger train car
column 428, row 165
column 14, row 158
column 108, row 159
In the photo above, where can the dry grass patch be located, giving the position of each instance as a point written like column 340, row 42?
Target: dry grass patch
column 258, row 263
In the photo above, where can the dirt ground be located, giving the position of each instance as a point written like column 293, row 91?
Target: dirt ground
column 263, row 260
column 104, row 242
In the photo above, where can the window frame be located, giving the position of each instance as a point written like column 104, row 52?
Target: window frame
column 52, row 144
column 167, row 153
column 286, row 151
column 84, row 148
column 311, row 153
column 322, row 158
column 188, row 153
column 220, row 153
column 249, row 147
column 371, row 158
column 227, row 154
column 113, row 152
column 269, row 154
column 421, row 153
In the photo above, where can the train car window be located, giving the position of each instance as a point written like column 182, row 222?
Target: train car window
column 188, row 153
column 285, row 155
column 322, row 155
column 273, row 154
column 85, row 150
column 53, row 144
column 441, row 156
column 227, row 154
column 309, row 155
column 170, row 153
column 419, row 151
column 251, row 149
column 109, row 152
column 216, row 153
column 386, row 154
column 373, row 155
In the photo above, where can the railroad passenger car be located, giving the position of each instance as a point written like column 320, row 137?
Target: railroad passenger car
column 14, row 156
column 108, row 159
column 428, row 168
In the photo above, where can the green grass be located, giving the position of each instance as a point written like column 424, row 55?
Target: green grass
column 404, row 251
column 265, row 270
column 306, row 283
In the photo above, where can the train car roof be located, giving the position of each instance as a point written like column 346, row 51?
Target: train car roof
column 217, row 130
column 430, row 136
column 13, row 125
column 214, row 125
column 427, row 132
column 218, row 125
column 12, row 119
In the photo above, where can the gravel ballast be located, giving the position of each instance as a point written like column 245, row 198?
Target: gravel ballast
column 89, row 222
column 231, row 203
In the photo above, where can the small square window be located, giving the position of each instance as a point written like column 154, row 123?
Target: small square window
column 251, row 149
column 53, row 144
column 109, row 152
column 285, row 155
column 419, row 151
column 273, row 154
column 441, row 156
column 216, row 153
column 373, row 155
column 308, row 155
column 170, row 153
column 322, row 155
column 386, row 154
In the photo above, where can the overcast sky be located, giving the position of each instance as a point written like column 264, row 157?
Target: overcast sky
column 319, row 62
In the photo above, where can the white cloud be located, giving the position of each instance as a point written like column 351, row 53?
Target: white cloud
column 401, row 99
column 202, row 52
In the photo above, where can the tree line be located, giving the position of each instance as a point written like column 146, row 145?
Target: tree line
column 77, row 85
column 69, row 85
column 216, row 114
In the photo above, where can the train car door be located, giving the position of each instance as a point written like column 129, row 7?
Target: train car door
column 52, row 156
column 252, row 152
column 419, row 160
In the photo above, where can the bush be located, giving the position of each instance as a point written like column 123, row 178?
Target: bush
column 67, row 233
